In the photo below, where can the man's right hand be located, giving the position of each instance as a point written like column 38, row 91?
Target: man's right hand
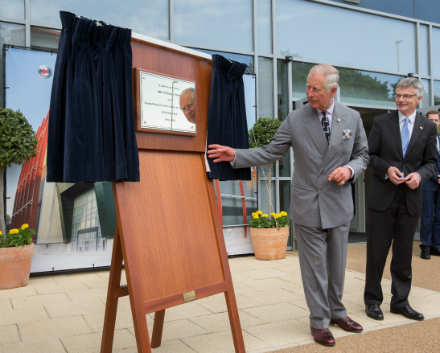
column 396, row 176
column 221, row 153
column 438, row 181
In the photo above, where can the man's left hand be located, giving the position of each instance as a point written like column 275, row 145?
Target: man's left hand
column 340, row 175
column 413, row 180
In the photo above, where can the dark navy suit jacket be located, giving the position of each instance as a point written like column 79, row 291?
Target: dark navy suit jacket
column 432, row 183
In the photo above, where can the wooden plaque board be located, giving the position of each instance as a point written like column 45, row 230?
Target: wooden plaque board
column 169, row 232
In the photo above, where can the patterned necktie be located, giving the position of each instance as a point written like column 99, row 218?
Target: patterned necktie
column 405, row 136
column 326, row 126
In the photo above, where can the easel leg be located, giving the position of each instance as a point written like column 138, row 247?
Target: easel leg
column 234, row 320
column 111, row 305
column 156, row 339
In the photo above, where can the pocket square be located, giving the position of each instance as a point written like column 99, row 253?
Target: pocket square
column 346, row 134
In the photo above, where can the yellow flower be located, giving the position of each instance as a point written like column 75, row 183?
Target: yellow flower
column 1, row 232
column 13, row 231
column 277, row 216
column 272, row 214
column 24, row 226
column 259, row 212
column 264, row 215
column 256, row 216
column 283, row 213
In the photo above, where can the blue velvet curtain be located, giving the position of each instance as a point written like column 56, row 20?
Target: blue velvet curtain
column 91, row 133
column 227, row 124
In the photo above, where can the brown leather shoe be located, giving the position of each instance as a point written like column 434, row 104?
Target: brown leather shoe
column 347, row 324
column 323, row 336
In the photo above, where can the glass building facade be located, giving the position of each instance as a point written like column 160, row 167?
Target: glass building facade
column 373, row 44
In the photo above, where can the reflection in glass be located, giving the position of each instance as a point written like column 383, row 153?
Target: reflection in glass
column 264, row 15
column 45, row 37
column 232, row 206
column 146, row 17
column 12, row 8
column 282, row 95
column 423, row 53
column 436, row 92
column 369, row 88
column 244, row 59
column 345, row 36
column 426, row 101
column 9, row 34
column 214, row 23
column 265, row 87
column 435, row 51
column 284, row 165
column 300, row 72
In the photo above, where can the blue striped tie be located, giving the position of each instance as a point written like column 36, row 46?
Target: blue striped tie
column 405, row 136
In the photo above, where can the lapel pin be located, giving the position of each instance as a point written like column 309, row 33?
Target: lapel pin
column 421, row 127
column 339, row 120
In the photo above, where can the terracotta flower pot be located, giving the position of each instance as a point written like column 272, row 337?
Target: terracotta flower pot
column 270, row 243
column 15, row 266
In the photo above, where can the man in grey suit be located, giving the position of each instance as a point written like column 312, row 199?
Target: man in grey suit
column 331, row 151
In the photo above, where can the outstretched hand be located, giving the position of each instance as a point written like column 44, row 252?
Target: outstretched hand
column 221, row 153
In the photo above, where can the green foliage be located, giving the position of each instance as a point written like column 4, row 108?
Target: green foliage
column 263, row 131
column 17, row 237
column 17, row 138
column 278, row 220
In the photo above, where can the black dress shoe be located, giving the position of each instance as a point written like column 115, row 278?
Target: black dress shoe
column 374, row 311
column 409, row 312
column 434, row 251
column 425, row 254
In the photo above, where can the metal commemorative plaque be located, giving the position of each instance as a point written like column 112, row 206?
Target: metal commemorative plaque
column 167, row 103
column 189, row 296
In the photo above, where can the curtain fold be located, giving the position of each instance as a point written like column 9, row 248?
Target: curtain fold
column 91, row 133
column 227, row 124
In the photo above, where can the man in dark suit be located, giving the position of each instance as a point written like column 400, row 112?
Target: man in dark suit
column 430, row 219
column 403, row 157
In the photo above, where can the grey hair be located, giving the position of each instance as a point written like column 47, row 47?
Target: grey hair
column 411, row 82
column 331, row 75
column 190, row 90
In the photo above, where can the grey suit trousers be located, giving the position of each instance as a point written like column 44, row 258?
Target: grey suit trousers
column 322, row 257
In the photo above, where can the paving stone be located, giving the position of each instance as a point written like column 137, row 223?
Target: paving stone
column 269, row 283
column 20, row 292
column 292, row 269
column 8, row 335
column 265, row 273
column 87, row 294
column 60, row 287
column 277, row 312
column 46, row 346
column 124, row 319
column 54, row 328
column 236, row 266
column 5, row 305
column 40, row 300
column 180, row 328
column 91, row 343
column 273, row 296
column 100, row 283
column 23, row 315
column 175, row 346
column 220, row 322
column 255, row 264
column 123, row 303
column 222, row 342
column 39, row 281
column 242, row 288
column 58, row 310
column 281, row 333
column 296, row 279
column 76, row 278
column 184, row 311
column 240, row 278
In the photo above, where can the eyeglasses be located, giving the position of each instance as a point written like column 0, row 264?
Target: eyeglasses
column 404, row 96
column 187, row 107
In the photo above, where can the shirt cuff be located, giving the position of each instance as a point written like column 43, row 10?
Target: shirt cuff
column 352, row 172
column 233, row 161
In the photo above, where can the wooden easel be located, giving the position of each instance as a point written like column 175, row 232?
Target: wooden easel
column 168, row 232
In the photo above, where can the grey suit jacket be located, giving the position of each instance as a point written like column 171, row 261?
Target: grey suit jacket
column 315, row 201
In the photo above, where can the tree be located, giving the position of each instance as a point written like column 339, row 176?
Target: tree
column 17, row 145
column 260, row 135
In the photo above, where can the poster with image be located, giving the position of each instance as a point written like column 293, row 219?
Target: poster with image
column 74, row 222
